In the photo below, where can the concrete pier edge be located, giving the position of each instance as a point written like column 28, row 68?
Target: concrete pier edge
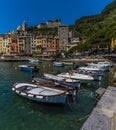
column 103, row 116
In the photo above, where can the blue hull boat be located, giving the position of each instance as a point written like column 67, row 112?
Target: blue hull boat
column 28, row 68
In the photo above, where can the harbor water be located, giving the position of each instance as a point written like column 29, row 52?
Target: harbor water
column 18, row 113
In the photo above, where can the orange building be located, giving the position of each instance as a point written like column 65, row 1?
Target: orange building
column 14, row 45
column 51, row 46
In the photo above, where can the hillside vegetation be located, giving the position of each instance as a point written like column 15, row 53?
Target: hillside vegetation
column 42, row 31
column 97, row 30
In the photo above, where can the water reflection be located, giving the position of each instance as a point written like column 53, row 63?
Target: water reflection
column 20, row 113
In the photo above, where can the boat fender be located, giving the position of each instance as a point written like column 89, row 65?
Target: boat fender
column 13, row 89
column 41, row 97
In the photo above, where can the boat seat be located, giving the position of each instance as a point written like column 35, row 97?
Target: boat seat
column 41, row 91
column 36, row 91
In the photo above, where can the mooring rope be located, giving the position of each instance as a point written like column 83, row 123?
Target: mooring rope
column 83, row 117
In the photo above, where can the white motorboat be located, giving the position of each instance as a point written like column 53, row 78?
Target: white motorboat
column 59, row 79
column 77, row 76
column 100, row 65
column 58, row 64
column 34, row 60
column 92, row 69
column 107, row 63
column 68, row 63
column 50, row 76
column 96, row 76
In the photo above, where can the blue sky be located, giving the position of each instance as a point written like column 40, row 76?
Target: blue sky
column 14, row 12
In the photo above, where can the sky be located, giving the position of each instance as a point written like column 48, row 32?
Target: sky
column 14, row 12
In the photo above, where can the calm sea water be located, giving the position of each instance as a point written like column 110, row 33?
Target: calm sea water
column 18, row 113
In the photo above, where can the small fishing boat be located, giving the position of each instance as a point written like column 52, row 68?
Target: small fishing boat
column 94, row 75
column 92, row 69
column 40, row 93
column 100, row 65
column 68, row 63
column 58, row 64
column 28, row 68
column 34, row 60
column 75, row 75
column 72, row 89
column 104, row 62
column 72, row 82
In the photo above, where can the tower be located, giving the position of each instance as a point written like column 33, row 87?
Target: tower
column 24, row 26
column 63, row 37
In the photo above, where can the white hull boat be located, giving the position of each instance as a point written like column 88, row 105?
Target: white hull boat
column 91, row 69
column 77, row 76
column 72, row 82
column 40, row 93
column 71, row 88
column 68, row 63
column 94, row 75
column 100, row 65
column 58, row 64
column 105, row 63
column 33, row 60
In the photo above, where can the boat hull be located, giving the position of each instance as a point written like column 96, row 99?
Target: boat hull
column 58, row 79
column 68, row 63
column 58, row 64
column 40, row 94
column 71, row 87
column 29, row 69
column 51, row 100
column 34, row 60
column 77, row 76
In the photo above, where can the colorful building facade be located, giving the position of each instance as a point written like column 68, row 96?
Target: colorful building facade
column 113, row 44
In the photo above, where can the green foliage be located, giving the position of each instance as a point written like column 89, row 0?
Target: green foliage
column 109, row 8
column 42, row 31
column 97, row 30
column 73, row 49
column 33, row 30
column 48, row 31
column 88, row 25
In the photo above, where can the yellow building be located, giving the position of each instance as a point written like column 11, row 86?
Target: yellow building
column 39, row 43
column 46, row 45
column 6, row 43
column 113, row 44
column 9, row 44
